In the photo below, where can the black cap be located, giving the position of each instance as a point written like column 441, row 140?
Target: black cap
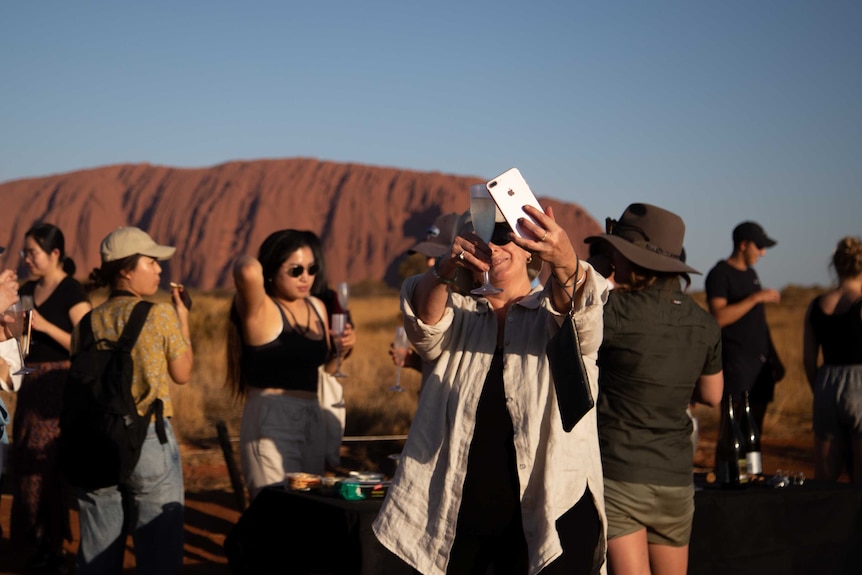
column 752, row 232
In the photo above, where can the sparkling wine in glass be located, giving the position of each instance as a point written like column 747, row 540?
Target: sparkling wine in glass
column 20, row 328
column 342, row 291
column 483, row 212
column 400, row 347
column 339, row 321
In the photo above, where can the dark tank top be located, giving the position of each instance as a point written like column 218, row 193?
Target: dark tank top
column 840, row 334
column 289, row 362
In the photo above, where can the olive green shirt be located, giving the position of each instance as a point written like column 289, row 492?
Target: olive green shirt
column 657, row 343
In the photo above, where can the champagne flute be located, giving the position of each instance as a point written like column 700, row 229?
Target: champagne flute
column 21, row 332
column 400, row 346
column 342, row 290
column 483, row 212
column 28, row 304
column 338, row 323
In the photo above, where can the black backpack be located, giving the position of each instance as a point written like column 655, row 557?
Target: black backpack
column 101, row 433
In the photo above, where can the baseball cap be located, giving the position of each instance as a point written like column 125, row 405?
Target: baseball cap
column 439, row 237
column 752, row 232
column 128, row 241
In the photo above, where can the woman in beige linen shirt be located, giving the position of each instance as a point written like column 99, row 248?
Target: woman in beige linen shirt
column 487, row 475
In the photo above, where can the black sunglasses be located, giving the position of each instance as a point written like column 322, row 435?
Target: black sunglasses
column 296, row 271
column 500, row 237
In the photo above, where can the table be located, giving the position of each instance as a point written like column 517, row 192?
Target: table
column 813, row 529
column 300, row 533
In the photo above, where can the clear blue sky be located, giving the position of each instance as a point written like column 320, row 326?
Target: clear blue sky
column 719, row 111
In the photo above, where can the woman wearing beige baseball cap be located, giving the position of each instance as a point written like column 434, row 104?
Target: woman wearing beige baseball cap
column 162, row 353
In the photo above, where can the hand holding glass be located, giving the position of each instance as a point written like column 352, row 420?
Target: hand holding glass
column 400, row 347
column 483, row 212
column 20, row 329
column 339, row 321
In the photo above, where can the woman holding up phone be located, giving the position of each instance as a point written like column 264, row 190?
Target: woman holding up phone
column 488, row 476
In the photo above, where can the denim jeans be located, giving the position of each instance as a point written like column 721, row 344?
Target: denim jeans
column 149, row 506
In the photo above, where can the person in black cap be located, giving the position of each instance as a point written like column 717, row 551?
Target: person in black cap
column 736, row 300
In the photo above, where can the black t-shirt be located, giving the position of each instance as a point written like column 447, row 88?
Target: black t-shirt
column 745, row 343
column 657, row 343
column 55, row 309
column 840, row 334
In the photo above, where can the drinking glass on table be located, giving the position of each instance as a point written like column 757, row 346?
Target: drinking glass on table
column 400, row 347
column 483, row 212
column 339, row 321
column 20, row 329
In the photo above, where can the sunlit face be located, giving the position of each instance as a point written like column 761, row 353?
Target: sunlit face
column 508, row 262
column 39, row 262
column 144, row 279
column 291, row 286
column 752, row 253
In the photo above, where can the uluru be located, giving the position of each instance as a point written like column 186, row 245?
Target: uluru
column 366, row 216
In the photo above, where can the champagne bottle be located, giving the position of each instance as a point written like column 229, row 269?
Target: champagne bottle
column 751, row 434
column 730, row 464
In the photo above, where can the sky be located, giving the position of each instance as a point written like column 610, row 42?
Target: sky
column 719, row 111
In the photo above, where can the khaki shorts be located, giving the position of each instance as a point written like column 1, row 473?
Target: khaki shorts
column 665, row 511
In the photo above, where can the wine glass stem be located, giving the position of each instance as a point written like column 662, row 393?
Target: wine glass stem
column 398, row 378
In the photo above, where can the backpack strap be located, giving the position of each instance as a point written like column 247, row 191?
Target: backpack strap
column 127, row 341
column 85, row 331
column 134, row 325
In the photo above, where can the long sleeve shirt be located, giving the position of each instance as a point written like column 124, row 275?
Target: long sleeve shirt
column 419, row 516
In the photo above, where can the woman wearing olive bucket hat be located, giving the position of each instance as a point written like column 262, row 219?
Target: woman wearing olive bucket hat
column 660, row 350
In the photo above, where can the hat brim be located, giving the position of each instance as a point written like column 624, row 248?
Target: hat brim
column 161, row 253
column 765, row 242
column 429, row 249
column 642, row 256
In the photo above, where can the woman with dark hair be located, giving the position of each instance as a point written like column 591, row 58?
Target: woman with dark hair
column 488, row 475
column 278, row 338
column 149, row 505
column 40, row 514
column 833, row 325
column 660, row 350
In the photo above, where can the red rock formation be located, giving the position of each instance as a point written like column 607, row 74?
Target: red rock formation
column 366, row 216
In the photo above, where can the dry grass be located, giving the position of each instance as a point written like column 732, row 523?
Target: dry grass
column 372, row 409
column 789, row 415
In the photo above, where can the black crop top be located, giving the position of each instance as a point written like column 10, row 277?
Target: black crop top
column 290, row 361
column 840, row 335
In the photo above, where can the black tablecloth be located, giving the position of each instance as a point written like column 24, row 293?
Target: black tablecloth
column 814, row 529
column 301, row 532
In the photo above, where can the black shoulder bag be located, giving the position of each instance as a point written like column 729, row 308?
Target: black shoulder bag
column 571, row 381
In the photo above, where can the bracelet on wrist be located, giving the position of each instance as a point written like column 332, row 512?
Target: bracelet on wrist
column 569, row 283
column 436, row 272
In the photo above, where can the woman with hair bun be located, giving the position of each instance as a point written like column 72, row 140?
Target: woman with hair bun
column 40, row 514
column 833, row 324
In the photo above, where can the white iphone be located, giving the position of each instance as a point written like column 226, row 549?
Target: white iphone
column 511, row 193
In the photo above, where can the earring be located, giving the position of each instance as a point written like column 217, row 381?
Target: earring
column 529, row 259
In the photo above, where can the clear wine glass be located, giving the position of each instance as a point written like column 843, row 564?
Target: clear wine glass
column 20, row 328
column 483, row 211
column 400, row 347
column 342, row 290
column 339, row 320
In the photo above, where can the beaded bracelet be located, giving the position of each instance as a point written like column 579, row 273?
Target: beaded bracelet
column 440, row 278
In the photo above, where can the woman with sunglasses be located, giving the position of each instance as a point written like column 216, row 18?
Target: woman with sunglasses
column 488, row 476
column 278, row 338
